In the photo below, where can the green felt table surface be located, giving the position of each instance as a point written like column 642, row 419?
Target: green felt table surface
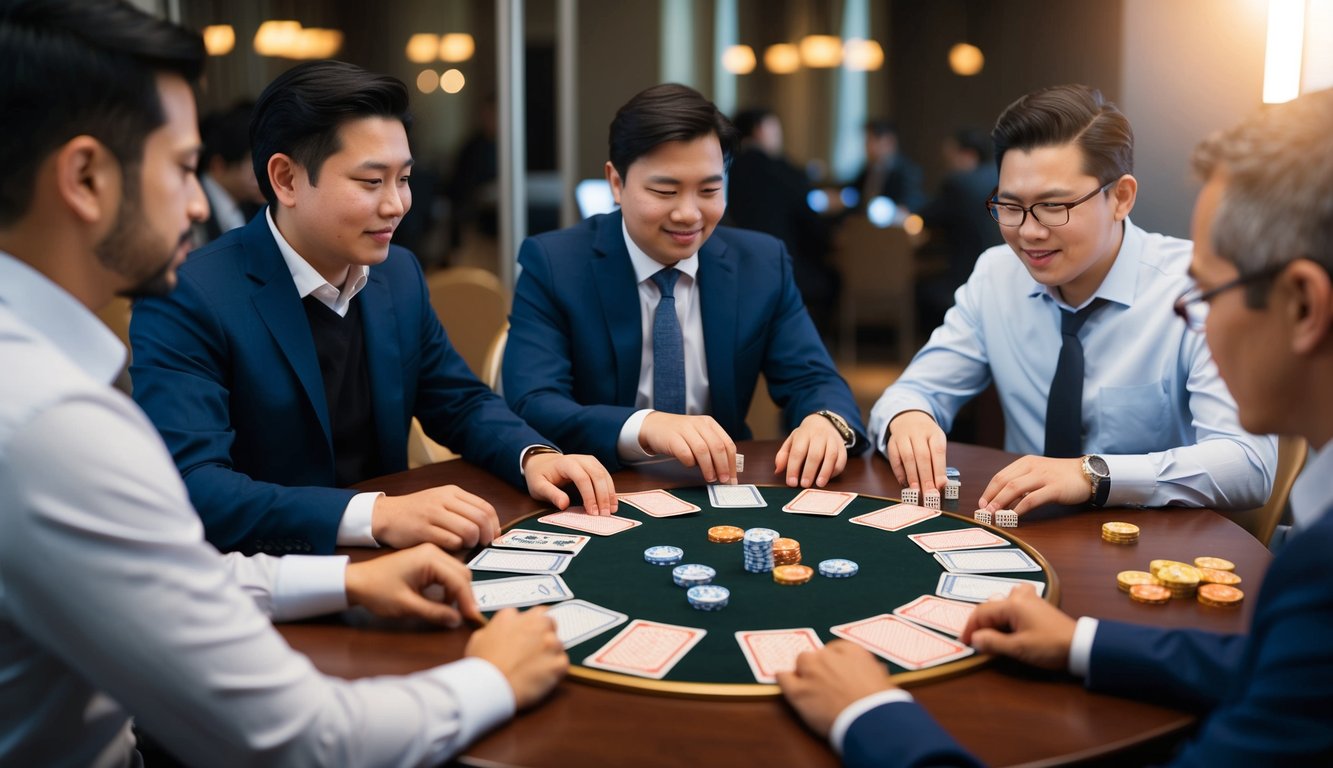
column 611, row 572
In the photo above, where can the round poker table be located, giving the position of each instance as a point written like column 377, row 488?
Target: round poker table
column 611, row 571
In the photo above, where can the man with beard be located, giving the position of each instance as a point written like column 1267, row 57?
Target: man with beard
column 111, row 603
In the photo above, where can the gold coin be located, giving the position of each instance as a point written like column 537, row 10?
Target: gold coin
column 1157, row 565
column 1120, row 530
column 1215, row 563
column 1178, row 576
column 1153, row 594
column 1127, row 579
column 725, row 534
column 1220, row 595
column 1215, row 576
column 785, row 544
column 793, row 574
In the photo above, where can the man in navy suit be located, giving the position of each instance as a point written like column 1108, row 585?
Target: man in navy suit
column 295, row 353
column 642, row 333
column 1264, row 295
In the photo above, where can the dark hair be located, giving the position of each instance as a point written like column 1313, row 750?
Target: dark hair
column 973, row 140
column 1066, row 114
column 663, row 113
column 300, row 112
column 881, row 127
column 81, row 67
column 226, row 134
column 748, row 121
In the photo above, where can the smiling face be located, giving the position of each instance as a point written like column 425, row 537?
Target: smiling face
column 160, row 199
column 672, row 197
column 348, row 217
column 1074, row 257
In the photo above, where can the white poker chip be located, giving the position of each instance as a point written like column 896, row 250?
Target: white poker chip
column 663, row 555
column 692, row 575
column 761, row 536
column 708, row 595
column 838, row 567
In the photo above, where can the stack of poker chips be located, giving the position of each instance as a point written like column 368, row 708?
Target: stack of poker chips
column 709, row 597
column 725, row 534
column 791, row 575
column 663, row 555
column 692, row 575
column 1120, row 533
column 758, row 547
column 786, row 552
column 838, row 568
column 1127, row 580
column 1180, row 578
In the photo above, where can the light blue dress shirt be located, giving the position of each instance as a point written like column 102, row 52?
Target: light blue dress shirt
column 1153, row 403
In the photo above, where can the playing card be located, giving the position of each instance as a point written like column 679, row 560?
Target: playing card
column 579, row 620
column 813, row 501
column 520, row 591
column 646, row 649
column 902, row 642
column 520, row 562
column 770, row 651
column 735, row 496
column 658, row 503
column 896, row 517
column 601, row 525
column 978, row 589
column 937, row 613
column 959, row 538
column 987, row 561
column 520, row 538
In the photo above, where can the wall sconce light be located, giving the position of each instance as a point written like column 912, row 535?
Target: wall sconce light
column 821, row 51
column 738, row 59
column 966, row 59
column 782, row 58
column 219, row 39
column 862, row 55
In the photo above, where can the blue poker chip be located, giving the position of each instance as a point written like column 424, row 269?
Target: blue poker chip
column 761, row 536
column 708, row 597
column 663, row 555
column 838, row 568
column 692, row 575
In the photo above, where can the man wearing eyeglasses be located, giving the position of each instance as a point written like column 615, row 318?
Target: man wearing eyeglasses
column 1111, row 399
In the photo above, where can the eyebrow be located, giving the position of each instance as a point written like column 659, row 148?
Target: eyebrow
column 715, row 179
column 1046, row 196
column 378, row 165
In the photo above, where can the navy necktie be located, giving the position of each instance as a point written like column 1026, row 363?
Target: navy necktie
column 1064, row 405
column 668, row 347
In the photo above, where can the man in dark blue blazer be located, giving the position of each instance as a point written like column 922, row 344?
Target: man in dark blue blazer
column 298, row 348
column 598, row 359
column 1264, row 294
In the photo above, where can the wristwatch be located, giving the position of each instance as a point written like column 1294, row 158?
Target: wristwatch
column 840, row 424
column 1099, row 478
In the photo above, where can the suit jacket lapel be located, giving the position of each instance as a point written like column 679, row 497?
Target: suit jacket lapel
column 614, row 276
column 719, row 292
column 384, row 360
column 279, row 306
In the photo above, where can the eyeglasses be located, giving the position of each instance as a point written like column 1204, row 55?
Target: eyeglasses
column 1046, row 214
column 1192, row 305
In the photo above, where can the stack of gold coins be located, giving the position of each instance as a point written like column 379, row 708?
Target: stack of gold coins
column 1127, row 579
column 786, row 552
column 1120, row 533
column 791, row 575
column 1158, row 565
column 1181, row 579
column 725, row 534
column 1216, row 563
column 1220, row 595
column 1153, row 594
column 1214, row 576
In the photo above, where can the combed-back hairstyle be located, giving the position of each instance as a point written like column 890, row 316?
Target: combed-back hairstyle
column 81, row 67
column 299, row 114
column 1066, row 114
column 663, row 113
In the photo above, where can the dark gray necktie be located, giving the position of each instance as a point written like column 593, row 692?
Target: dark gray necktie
column 668, row 347
column 1064, row 405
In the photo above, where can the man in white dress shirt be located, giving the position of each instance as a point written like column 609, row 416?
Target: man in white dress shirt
column 111, row 604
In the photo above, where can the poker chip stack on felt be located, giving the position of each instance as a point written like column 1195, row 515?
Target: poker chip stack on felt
column 790, row 575
column 692, row 575
column 709, row 597
column 838, row 568
column 786, row 552
column 725, row 534
column 758, row 548
column 663, row 555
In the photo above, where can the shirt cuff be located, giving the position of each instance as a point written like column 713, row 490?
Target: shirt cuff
column 1080, row 648
column 308, row 586
column 628, row 447
column 1133, row 480
column 484, row 695
column 838, row 733
column 354, row 528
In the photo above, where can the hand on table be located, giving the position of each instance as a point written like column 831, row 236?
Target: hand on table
column 446, row 516
column 1033, row 481
column 916, row 450
column 812, row 454
column 526, row 650
column 691, row 440
column 1022, row 626
column 546, row 472
column 392, row 586
column 827, row 681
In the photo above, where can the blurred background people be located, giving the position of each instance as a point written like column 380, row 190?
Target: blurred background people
column 226, row 173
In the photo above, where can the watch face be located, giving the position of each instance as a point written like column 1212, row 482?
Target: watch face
column 1098, row 466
